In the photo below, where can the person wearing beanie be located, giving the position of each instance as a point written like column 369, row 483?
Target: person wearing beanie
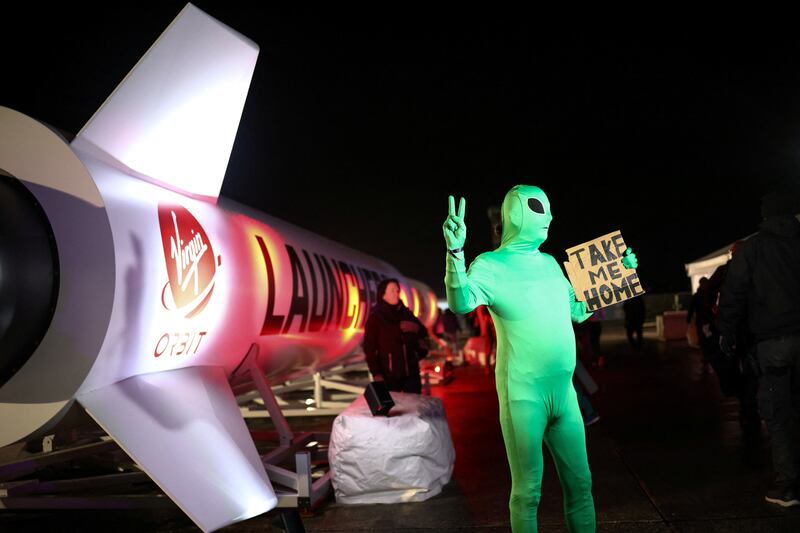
column 762, row 287
column 394, row 341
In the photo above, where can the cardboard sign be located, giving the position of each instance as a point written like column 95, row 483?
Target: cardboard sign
column 597, row 274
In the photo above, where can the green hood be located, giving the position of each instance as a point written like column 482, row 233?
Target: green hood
column 526, row 218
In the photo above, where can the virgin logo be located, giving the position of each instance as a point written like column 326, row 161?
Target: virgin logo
column 191, row 264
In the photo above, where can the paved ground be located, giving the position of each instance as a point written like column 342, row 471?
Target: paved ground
column 666, row 456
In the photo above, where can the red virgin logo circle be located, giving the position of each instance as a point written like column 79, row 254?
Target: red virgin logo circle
column 191, row 263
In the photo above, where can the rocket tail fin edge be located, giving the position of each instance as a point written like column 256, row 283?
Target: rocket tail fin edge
column 185, row 430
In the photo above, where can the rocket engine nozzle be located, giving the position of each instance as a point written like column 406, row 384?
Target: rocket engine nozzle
column 28, row 276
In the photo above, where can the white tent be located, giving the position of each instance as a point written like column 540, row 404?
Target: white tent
column 706, row 265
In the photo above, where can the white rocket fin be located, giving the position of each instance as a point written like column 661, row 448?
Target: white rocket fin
column 185, row 430
column 173, row 119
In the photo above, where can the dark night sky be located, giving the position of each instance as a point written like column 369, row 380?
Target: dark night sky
column 358, row 125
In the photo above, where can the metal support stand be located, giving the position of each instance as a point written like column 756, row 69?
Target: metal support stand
column 291, row 522
column 302, row 490
column 295, row 489
column 70, row 493
column 249, row 368
column 329, row 393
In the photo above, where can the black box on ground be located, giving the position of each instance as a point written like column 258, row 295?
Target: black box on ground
column 378, row 398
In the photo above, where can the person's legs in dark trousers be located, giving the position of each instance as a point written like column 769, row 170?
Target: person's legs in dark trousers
column 595, row 330
column 394, row 384
column 779, row 401
column 749, row 417
column 748, row 399
column 712, row 355
column 638, row 327
column 584, row 343
column 629, row 329
column 634, row 330
column 412, row 384
column 639, row 335
column 590, row 416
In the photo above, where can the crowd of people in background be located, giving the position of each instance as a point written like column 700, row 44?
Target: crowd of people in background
column 735, row 372
column 746, row 319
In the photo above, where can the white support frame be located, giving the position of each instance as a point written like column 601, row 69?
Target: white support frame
column 332, row 393
column 303, row 491
column 294, row 490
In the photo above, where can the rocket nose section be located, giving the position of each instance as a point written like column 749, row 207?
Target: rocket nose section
column 28, row 276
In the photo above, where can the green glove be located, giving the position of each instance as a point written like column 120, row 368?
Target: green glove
column 630, row 261
column 455, row 230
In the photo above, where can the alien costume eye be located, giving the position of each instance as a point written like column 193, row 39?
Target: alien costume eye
column 536, row 206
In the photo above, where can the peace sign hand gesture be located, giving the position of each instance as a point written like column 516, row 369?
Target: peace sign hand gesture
column 455, row 230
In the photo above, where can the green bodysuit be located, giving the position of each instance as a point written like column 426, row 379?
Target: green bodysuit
column 532, row 304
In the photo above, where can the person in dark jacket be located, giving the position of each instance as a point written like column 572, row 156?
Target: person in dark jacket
column 701, row 310
column 762, row 285
column 394, row 341
column 634, row 320
column 737, row 374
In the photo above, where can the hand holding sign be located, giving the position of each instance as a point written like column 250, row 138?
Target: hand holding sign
column 602, row 271
column 630, row 261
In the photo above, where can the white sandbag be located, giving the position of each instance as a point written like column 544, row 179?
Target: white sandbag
column 405, row 457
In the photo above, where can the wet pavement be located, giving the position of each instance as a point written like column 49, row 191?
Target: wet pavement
column 666, row 456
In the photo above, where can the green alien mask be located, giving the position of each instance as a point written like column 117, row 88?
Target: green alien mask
column 526, row 218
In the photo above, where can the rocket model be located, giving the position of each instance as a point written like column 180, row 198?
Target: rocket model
column 128, row 285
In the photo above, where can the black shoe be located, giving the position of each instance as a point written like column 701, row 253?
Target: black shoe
column 782, row 497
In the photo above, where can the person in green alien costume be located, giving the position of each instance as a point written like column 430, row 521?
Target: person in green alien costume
column 532, row 303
